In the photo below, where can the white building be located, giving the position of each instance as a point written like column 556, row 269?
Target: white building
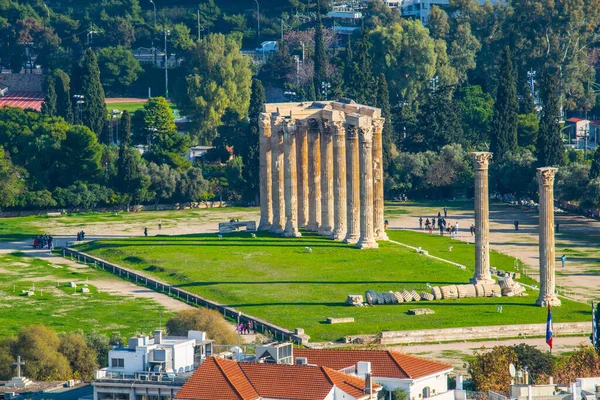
column 196, row 153
column 150, row 367
column 419, row 9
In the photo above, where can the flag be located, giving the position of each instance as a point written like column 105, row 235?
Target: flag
column 549, row 329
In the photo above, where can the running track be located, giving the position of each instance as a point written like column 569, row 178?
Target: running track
column 23, row 100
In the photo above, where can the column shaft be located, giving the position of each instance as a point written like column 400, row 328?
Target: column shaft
column 367, row 236
column 547, row 296
column 339, row 182
column 482, row 223
column 302, row 172
column 314, row 176
column 278, row 179
column 378, row 201
column 266, row 201
column 326, row 227
column 291, row 184
column 352, row 185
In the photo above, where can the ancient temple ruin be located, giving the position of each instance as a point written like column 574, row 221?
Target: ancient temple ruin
column 321, row 170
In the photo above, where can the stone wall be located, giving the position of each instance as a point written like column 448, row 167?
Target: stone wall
column 22, row 82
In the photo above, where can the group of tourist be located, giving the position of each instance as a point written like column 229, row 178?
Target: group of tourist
column 80, row 236
column 402, row 198
column 43, row 242
column 245, row 328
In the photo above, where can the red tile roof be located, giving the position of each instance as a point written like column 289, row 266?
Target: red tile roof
column 594, row 122
column 576, row 119
column 230, row 380
column 384, row 364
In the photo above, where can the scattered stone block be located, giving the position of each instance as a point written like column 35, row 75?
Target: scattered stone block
column 436, row 292
column 299, row 331
column 331, row 320
column 72, row 284
column 355, row 300
column 420, row 311
column 407, row 296
column 516, row 275
column 465, row 291
column 85, row 290
column 399, row 297
column 371, row 297
column 30, row 293
column 449, row 292
column 501, row 272
column 479, row 291
column 416, row 296
column 426, row 296
column 393, row 297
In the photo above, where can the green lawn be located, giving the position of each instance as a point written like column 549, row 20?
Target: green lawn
column 63, row 308
column 131, row 107
column 276, row 279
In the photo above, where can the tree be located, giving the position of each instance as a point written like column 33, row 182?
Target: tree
column 489, row 370
column 527, row 104
column 118, row 68
column 504, row 125
column 550, row 149
column 49, row 104
column 163, row 181
column 62, row 87
column 119, row 32
column 250, row 150
column 82, row 358
column 320, row 57
column 360, row 81
column 477, row 110
column 99, row 343
column 463, row 50
column 595, row 167
column 86, row 82
column 192, row 185
column 80, row 159
column 527, row 130
column 201, row 319
column 219, row 80
column 383, row 102
column 11, row 182
column 583, row 362
column 539, row 363
column 125, row 125
column 180, row 39
column 158, row 116
column 438, row 23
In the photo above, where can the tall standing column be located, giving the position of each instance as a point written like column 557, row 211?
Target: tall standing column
column 326, row 227
column 339, row 182
column 482, row 219
column 278, row 178
column 545, row 177
column 367, row 236
column 378, row 201
column 266, row 201
column 352, row 185
column 302, row 171
column 314, row 175
column 291, row 184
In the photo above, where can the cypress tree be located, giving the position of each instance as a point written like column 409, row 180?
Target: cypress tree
column 504, row 125
column 62, row 87
column 127, row 171
column 250, row 149
column 125, row 127
column 595, row 168
column 361, row 79
column 527, row 101
column 320, row 56
column 49, row 104
column 550, row 149
column 383, row 102
column 348, row 90
column 311, row 94
column 86, row 82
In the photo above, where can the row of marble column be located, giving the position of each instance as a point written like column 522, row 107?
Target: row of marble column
column 545, row 178
column 324, row 176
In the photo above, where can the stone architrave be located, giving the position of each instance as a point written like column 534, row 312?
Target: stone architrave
column 291, row 184
column 545, row 177
column 314, row 175
column 326, row 227
column 339, row 182
column 378, row 203
column 352, row 185
column 277, row 176
column 302, row 171
column 367, row 237
column 482, row 222
column 266, row 200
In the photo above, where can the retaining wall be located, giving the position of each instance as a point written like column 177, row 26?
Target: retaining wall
column 279, row 333
column 482, row 332
column 22, row 82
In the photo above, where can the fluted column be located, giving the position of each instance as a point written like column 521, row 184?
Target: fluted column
column 367, row 237
column 482, row 219
column 314, row 175
column 302, row 172
column 266, row 200
column 326, row 227
column 378, row 201
column 339, row 182
column 291, row 184
column 545, row 177
column 352, row 185
column 278, row 178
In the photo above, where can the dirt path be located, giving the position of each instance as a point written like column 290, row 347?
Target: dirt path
column 580, row 277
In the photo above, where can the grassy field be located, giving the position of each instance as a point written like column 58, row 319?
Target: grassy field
column 62, row 308
column 274, row 278
column 131, row 107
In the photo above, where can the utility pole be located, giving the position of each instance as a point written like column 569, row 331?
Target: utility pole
column 167, row 33
column 152, row 1
column 198, row 24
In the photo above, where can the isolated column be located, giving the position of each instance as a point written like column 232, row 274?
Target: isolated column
column 339, row 182
column 326, row 227
column 291, row 184
column 482, row 219
column 302, row 171
column 314, row 175
column 367, row 237
column 352, row 185
column 378, row 202
column 266, row 201
column 278, row 178
column 545, row 177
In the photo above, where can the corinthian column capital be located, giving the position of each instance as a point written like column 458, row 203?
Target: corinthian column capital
column 378, row 124
column 482, row 159
column 365, row 134
column 545, row 176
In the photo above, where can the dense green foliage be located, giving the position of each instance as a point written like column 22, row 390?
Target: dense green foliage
column 504, row 125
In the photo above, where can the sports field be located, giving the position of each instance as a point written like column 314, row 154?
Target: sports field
column 276, row 279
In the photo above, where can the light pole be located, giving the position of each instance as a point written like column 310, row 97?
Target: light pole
column 152, row 1
column 325, row 86
column 167, row 33
column 257, row 19
column 115, row 113
column 79, row 101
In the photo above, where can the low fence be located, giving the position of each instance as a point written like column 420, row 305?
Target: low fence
column 260, row 325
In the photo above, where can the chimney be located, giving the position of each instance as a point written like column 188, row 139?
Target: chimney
column 550, row 381
column 363, row 368
column 157, row 336
column 459, row 382
column 368, row 385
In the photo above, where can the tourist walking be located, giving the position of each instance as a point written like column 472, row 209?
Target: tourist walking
column 145, row 231
column 563, row 259
column 445, row 212
column 557, row 228
column 159, row 224
column 441, row 229
column 516, row 225
column 456, row 228
column 472, row 230
column 421, row 223
column 433, row 222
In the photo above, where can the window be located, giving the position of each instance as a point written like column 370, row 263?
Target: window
column 117, row 363
column 426, row 392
